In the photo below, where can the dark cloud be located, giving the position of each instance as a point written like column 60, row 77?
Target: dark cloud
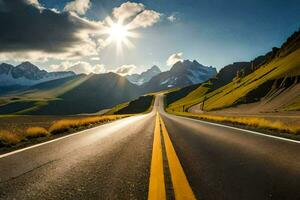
column 26, row 27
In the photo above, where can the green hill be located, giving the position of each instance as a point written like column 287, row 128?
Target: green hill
column 139, row 105
column 83, row 94
column 265, row 78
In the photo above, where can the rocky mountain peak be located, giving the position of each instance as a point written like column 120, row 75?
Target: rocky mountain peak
column 27, row 74
column 145, row 76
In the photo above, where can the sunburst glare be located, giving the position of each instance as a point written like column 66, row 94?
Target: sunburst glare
column 119, row 33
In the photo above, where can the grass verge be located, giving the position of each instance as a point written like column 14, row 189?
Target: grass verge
column 255, row 122
column 34, row 132
column 67, row 124
column 9, row 138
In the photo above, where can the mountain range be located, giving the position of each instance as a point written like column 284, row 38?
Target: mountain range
column 182, row 73
column 27, row 74
column 35, row 91
column 144, row 77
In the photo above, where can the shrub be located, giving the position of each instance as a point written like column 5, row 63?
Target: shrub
column 34, row 132
column 8, row 138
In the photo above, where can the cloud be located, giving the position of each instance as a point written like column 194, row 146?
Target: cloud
column 125, row 70
column 172, row 18
column 78, row 6
column 33, row 32
column 137, row 14
column 174, row 58
column 127, row 10
column 28, row 31
column 79, row 67
column 35, row 3
column 145, row 19
column 95, row 58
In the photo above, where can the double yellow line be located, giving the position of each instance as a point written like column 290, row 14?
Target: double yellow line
column 181, row 186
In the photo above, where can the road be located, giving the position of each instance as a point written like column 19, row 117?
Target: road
column 155, row 156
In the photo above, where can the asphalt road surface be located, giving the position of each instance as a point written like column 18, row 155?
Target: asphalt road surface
column 157, row 157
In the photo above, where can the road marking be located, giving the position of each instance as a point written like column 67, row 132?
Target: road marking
column 156, row 183
column 60, row 138
column 240, row 129
column 181, row 186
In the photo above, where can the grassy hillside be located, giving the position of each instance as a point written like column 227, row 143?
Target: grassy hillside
column 190, row 99
column 279, row 64
column 177, row 94
column 294, row 106
column 231, row 93
column 140, row 105
column 86, row 94
column 39, row 95
column 117, row 108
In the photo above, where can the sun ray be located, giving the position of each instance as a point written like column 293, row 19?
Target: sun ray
column 128, row 43
column 119, row 33
column 133, row 34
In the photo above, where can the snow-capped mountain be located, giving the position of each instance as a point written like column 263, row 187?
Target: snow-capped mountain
column 144, row 77
column 27, row 74
column 180, row 75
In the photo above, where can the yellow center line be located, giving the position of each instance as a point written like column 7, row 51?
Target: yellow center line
column 181, row 186
column 156, row 183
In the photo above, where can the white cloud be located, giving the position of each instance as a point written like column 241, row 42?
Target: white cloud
column 78, row 6
column 55, row 10
column 125, row 70
column 145, row 19
column 136, row 12
column 174, row 58
column 35, row 3
column 84, row 40
column 172, row 18
column 95, row 58
column 79, row 67
column 127, row 10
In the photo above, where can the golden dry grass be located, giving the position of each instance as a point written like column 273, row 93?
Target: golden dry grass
column 34, row 132
column 256, row 122
column 67, row 124
column 8, row 138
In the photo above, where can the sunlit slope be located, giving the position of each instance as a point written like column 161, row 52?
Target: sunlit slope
column 39, row 95
column 117, row 108
column 88, row 94
column 233, row 92
column 295, row 105
column 100, row 91
column 140, row 105
column 191, row 99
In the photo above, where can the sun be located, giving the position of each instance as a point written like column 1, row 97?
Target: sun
column 118, row 32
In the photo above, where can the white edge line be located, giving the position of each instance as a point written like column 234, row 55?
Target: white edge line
column 240, row 129
column 54, row 140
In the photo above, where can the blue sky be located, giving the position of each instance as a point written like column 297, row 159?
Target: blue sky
column 213, row 32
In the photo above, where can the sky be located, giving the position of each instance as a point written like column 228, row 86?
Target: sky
column 131, row 36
